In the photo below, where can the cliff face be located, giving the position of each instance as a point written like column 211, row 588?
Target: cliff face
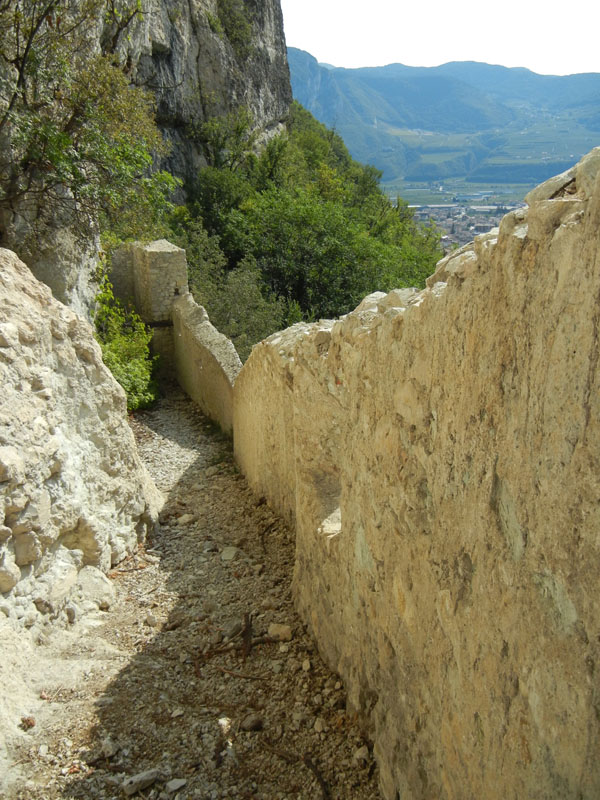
column 73, row 492
column 201, row 58
column 439, row 454
column 182, row 51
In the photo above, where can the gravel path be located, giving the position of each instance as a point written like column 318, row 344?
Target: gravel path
column 200, row 677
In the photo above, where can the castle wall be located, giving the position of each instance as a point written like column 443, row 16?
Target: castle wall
column 439, row 453
column 206, row 362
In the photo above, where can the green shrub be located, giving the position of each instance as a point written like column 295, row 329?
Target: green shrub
column 125, row 344
column 237, row 26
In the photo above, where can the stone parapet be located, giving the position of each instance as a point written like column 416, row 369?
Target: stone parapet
column 206, row 361
column 439, row 452
column 159, row 277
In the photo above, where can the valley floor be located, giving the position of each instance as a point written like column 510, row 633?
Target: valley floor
column 183, row 678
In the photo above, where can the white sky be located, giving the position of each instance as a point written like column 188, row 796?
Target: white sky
column 543, row 35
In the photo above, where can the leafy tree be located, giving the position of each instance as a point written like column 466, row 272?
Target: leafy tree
column 244, row 310
column 75, row 137
column 316, row 223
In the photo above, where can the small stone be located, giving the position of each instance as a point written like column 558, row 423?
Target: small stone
column 211, row 471
column 232, row 629
column 71, row 614
column 150, row 620
column 281, row 633
column 276, row 667
column 96, row 587
column 179, row 712
column 109, row 747
column 252, row 723
column 175, row 785
column 9, row 335
column 10, row 573
column 185, row 519
column 319, row 725
column 229, row 553
column 140, row 781
column 362, row 754
column 43, row 750
column 306, row 665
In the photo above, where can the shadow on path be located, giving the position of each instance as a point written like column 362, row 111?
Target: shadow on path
column 208, row 702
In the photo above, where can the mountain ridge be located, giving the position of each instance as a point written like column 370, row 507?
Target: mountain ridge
column 506, row 124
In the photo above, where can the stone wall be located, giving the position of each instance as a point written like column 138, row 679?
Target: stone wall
column 73, row 491
column 439, row 452
column 206, row 362
column 203, row 361
column 159, row 277
column 152, row 276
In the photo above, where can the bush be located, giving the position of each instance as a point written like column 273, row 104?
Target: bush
column 125, row 344
column 238, row 29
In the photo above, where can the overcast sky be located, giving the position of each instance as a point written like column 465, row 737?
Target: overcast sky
column 543, row 35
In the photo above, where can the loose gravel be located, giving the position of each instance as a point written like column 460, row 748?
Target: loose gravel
column 200, row 682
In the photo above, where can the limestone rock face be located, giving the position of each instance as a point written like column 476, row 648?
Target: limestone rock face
column 180, row 50
column 72, row 488
column 440, row 454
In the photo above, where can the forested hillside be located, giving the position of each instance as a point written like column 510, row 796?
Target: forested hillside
column 298, row 231
column 279, row 222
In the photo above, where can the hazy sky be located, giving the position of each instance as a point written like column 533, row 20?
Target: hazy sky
column 543, row 35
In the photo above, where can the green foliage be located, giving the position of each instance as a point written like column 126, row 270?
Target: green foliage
column 236, row 25
column 74, row 135
column 228, row 140
column 241, row 308
column 316, row 224
column 236, row 300
column 125, row 344
column 214, row 23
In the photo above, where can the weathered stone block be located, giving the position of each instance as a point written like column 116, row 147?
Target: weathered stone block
column 160, row 276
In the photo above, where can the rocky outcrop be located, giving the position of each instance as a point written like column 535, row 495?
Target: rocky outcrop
column 181, row 51
column 74, row 493
column 439, row 452
column 197, row 67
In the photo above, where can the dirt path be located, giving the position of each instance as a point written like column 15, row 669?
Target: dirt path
column 183, row 678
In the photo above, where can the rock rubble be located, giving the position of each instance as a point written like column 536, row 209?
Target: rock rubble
column 225, row 695
column 74, row 496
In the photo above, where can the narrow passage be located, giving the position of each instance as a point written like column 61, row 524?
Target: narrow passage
column 200, row 681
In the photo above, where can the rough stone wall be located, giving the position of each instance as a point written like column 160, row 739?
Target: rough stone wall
column 73, row 490
column 445, row 487
column 203, row 361
column 206, row 362
column 159, row 276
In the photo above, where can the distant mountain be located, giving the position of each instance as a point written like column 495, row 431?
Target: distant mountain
column 462, row 120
